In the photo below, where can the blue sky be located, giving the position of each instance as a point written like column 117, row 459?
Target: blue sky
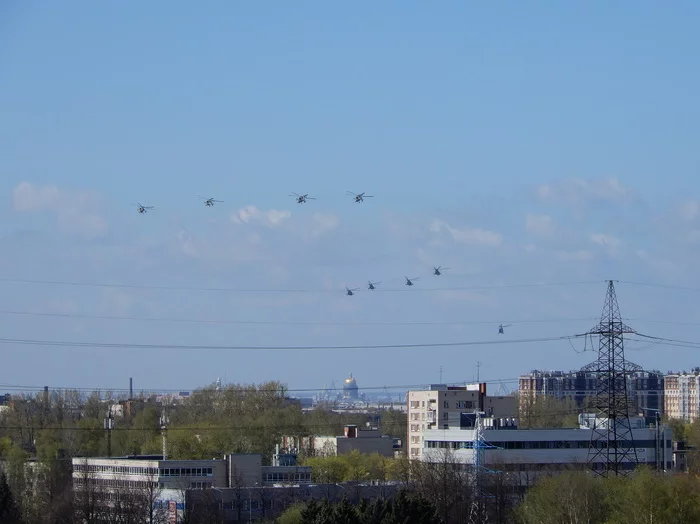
column 520, row 144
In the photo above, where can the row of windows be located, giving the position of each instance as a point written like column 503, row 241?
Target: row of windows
column 556, row 444
column 288, row 477
column 112, row 483
column 122, row 470
column 186, row 472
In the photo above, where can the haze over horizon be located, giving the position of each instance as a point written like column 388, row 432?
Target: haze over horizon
column 542, row 144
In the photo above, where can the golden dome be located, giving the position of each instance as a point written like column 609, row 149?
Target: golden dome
column 350, row 380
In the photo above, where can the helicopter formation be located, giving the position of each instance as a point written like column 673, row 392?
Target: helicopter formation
column 437, row 271
column 300, row 199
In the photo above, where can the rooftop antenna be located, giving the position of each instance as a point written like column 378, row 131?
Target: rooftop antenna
column 109, row 426
column 164, row 421
column 440, row 374
column 478, row 365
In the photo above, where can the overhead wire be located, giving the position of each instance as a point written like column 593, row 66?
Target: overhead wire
column 290, row 322
column 196, row 347
column 184, row 320
column 238, row 389
column 285, row 290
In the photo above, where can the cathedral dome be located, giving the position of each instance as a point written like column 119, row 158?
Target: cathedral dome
column 350, row 388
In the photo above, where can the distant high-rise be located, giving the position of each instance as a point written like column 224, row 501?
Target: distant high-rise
column 645, row 388
column 682, row 395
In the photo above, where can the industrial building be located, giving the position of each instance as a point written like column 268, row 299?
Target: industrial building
column 166, row 482
column 354, row 438
column 531, row 452
column 433, row 408
column 645, row 388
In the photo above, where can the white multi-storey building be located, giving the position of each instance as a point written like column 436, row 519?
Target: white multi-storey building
column 531, row 451
column 438, row 405
column 164, row 483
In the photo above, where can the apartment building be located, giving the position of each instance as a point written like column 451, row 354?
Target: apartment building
column 531, row 452
column 682, row 395
column 645, row 388
column 435, row 406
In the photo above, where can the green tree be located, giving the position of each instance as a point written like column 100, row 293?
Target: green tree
column 568, row 498
column 546, row 411
column 292, row 515
column 9, row 509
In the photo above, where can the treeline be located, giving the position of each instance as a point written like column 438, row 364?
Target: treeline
column 38, row 439
column 643, row 497
column 238, row 418
column 404, row 508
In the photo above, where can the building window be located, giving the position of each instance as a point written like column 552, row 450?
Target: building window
column 446, row 404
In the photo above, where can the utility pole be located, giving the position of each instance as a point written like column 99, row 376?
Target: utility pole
column 164, row 421
column 611, row 450
column 109, row 426
column 478, row 365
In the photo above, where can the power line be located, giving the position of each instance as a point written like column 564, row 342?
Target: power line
column 241, row 390
column 288, row 290
column 289, row 322
column 657, row 285
column 194, row 347
column 182, row 320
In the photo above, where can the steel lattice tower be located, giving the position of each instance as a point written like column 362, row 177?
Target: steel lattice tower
column 612, row 443
column 477, row 511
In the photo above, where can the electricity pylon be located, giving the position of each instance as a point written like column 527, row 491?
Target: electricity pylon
column 477, row 512
column 611, row 450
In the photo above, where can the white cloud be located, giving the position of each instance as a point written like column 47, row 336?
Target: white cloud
column 578, row 191
column 689, row 210
column 579, row 255
column 187, row 243
column 251, row 214
column 324, row 222
column 76, row 211
column 539, row 225
column 467, row 235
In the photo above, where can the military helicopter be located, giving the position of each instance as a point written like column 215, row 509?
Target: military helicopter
column 501, row 327
column 209, row 202
column 351, row 292
column 142, row 209
column 359, row 198
column 437, row 270
column 409, row 281
column 371, row 285
column 301, row 199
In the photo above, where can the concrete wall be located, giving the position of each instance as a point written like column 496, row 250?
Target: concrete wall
column 382, row 445
column 245, row 469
